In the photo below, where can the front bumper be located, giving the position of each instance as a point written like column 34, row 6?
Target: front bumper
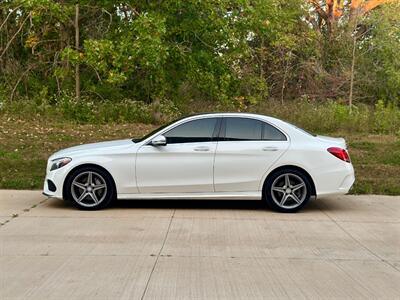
column 56, row 177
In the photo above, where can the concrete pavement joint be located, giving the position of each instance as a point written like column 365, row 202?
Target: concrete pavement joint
column 25, row 210
column 202, row 256
column 360, row 283
column 158, row 256
column 359, row 243
column 96, row 217
column 266, row 219
column 397, row 268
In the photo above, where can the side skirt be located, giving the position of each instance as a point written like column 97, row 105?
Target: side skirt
column 210, row 196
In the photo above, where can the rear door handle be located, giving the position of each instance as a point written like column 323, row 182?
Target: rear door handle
column 201, row 148
column 270, row 149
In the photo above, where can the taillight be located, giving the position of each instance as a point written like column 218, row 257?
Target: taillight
column 339, row 153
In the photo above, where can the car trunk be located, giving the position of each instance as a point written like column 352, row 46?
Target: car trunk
column 339, row 142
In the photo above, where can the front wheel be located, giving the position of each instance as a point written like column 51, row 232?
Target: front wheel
column 287, row 190
column 90, row 188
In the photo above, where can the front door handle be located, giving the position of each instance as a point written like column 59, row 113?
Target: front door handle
column 201, row 148
column 270, row 149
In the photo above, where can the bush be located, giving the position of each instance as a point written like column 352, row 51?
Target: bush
column 321, row 118
column 91, row 111
column 386, row 118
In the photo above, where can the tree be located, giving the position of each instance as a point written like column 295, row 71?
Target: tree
column 379, row 60
column 235, row 52
column 330, row 12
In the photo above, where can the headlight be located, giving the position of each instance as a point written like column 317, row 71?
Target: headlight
column 59, row 163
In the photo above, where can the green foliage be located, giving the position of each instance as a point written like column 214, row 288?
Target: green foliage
column 386, row 118
column 324, row 118
column 380, row 65
column 214, row 50
column 134, row 54
column 320, row 118
column 235, row 53
column 87, row 110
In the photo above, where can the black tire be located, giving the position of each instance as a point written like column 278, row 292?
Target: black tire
column 271, row 200
column 107, row 197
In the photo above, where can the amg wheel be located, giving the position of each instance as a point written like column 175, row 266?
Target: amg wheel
column 90, row 188
column 287, row 190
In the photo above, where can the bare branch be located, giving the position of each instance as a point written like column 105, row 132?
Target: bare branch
column 14, row 36
column 9, row 14
column 110, row 15
column 18, row 81
column 319, row 9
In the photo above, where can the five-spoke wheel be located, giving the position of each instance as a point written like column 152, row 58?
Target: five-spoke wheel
column 287, row 190
column 90, row 188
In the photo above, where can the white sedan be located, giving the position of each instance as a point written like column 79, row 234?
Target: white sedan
column 208, row 156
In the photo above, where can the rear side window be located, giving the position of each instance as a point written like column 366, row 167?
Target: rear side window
column 243, row 129
column 192, row 132
column 270, row 133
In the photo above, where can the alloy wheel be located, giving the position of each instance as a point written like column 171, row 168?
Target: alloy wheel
column 288, row 191
column 88, row 189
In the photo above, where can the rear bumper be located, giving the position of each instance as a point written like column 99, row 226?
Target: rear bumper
column 347, row 183
column 336, row 181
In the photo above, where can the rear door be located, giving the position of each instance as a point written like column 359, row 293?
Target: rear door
column 246, row 149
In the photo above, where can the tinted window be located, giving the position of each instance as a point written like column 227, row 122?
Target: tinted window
column 192, row 131
column 270, row 133
column 241, row 129
column 138, row 140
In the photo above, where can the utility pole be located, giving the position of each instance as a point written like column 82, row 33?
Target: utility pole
column 77, row 76
column 353, row 58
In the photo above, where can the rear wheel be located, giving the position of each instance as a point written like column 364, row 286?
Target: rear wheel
column 287, row 190
column 90, row 188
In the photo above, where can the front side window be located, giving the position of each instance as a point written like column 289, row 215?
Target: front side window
column 242, row 129
column 192, row 132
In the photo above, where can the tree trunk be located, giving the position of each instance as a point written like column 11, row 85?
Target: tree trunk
column 77, row 79
column 353, row 62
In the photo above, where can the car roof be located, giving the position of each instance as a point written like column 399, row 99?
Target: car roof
column 222, row 114
column 231, row 114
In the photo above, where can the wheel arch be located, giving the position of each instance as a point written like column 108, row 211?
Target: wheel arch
column 293, row 167
column 64, row 190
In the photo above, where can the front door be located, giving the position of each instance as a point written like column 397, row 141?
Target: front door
column 184, row 164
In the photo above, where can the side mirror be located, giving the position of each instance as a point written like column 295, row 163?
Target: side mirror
column 159, row 141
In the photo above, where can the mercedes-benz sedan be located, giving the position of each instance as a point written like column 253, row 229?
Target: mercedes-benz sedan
column 209, row 156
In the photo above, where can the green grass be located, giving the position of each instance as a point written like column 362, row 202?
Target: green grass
column 376, row 159
column 26, row 143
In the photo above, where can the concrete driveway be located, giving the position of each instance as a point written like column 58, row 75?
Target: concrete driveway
column 338, row 247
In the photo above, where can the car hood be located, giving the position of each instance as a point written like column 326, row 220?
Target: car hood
column 340, row 142
column 94, row 147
